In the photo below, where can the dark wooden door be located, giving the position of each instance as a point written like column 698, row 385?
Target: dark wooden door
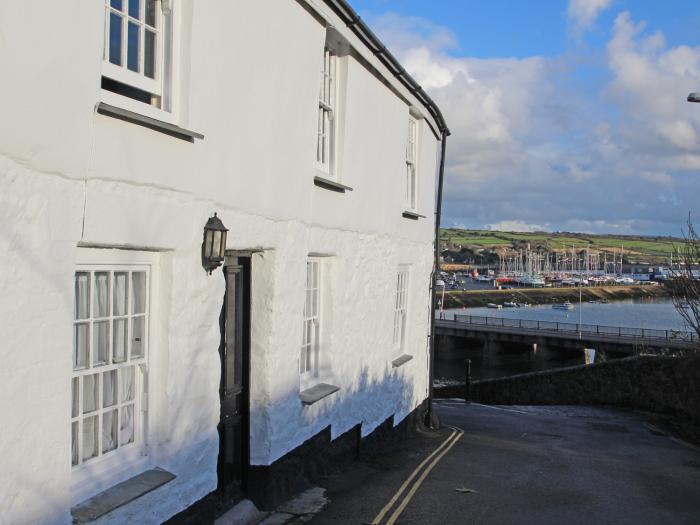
column 234, row 389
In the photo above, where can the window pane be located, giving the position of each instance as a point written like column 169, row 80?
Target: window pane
column 90, row 393
column 137, row 337
column 134, row 8
column 109, row 388
column 109, row 431
column 82, row 295
column 74, row 443
column 126, row 427
column 100, row 342
column 151, row 12
column 121, row 292
column 117, row 4
column 149, row 59
column 132, row 53
column 101, row 294
column 138, row 300
column 127, row 383
column 80, row 346
column 308, row 307
column 115, row 39
column 119, row 341
column 75, row 383
column 90, row 430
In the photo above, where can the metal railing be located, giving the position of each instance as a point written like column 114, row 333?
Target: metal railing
column 575, row 328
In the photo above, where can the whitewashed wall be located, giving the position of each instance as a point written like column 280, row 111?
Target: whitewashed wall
column 69, row 177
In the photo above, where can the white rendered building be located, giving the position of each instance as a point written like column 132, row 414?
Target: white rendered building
column 125, row 125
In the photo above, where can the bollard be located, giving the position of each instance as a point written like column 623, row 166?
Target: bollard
column 468, row 382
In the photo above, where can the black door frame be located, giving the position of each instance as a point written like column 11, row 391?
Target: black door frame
column 234, row 388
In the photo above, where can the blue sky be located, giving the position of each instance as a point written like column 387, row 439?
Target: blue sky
column 566, row 115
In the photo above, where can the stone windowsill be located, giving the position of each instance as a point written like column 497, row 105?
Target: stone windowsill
column 316, row 393
column 148, row 122
column 401, row 360
column 412, row 215
column 120, row 494
column 329, row 184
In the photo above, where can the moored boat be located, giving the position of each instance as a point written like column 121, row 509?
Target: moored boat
column 563, row 306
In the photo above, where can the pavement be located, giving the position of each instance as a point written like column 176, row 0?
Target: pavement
column 521, row 465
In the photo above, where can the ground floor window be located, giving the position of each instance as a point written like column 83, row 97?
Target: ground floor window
column 400, row 309
column 309, row 358
column 110, row 354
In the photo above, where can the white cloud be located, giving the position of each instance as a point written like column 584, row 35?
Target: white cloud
column 516, row 226
column 532, row 148
column 583, row 13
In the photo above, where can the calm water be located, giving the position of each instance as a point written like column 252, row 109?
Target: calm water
column 655, row 313
column 658, row 314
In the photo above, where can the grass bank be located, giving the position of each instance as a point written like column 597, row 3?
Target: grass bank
column 473, row 298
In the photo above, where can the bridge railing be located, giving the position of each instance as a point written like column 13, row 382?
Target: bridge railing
column 588, row 329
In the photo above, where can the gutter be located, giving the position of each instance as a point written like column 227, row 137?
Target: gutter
column 348, row 15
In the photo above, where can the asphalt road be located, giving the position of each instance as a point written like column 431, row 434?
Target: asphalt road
column 525, row 465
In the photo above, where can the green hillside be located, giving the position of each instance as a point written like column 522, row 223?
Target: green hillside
column 637, row 248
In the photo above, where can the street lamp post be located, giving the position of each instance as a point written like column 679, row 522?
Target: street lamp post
column 580, row 305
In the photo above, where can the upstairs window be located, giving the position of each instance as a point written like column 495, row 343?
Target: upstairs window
column 411, row 196
column 137, row 43
column 326, row 132
column 400, row 310
column 310, row 345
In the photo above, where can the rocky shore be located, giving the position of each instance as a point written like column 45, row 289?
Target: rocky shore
column 475, row 298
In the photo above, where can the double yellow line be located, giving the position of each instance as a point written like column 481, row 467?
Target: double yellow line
column 421, row 471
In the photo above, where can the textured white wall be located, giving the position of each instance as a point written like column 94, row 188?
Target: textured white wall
column 68, row 176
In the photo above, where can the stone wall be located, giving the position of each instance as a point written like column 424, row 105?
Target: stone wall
column 664, row 385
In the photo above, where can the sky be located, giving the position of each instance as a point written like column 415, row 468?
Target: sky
column 566, row 115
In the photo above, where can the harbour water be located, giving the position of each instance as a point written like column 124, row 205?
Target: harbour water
column 634, row 313
column 638, row 313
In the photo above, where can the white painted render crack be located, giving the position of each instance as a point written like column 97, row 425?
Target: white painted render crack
column 25, row 163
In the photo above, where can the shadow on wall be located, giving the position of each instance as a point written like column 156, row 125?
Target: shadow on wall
column 349, row 424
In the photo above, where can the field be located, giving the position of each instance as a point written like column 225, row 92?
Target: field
column 635, row 247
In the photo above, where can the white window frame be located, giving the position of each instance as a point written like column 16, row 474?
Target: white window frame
column 309, row 357
column 98, row 473
column 401, row 310
column 326, row 125
column 411, row 184
column 162, row 87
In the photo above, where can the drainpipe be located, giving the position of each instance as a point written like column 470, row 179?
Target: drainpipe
column 433, row 292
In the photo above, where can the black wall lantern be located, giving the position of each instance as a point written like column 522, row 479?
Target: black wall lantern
column 214, row 244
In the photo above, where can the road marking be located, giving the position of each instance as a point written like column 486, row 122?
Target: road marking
column 422, row 477
column 501, row 408
column 396, row 496
column 438, row 453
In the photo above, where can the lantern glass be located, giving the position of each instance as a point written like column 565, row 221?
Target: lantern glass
column 216, row 246
column 208, row 243
column 222, row 251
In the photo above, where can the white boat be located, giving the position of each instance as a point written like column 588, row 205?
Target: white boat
column 494, row 305
column 532, row 280
column 509, row 304
column 563, row 306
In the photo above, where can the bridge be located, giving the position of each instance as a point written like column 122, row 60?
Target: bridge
column 551, row 334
